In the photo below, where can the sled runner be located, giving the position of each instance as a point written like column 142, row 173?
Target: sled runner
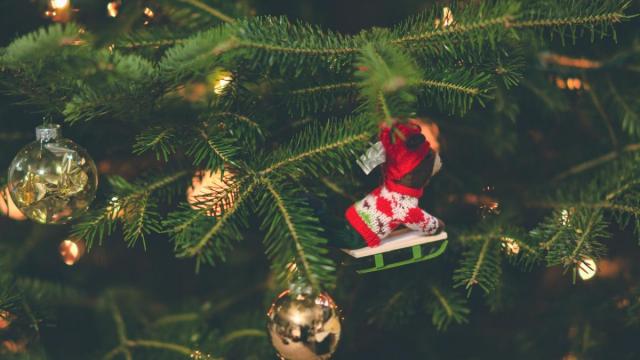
column 398, row 240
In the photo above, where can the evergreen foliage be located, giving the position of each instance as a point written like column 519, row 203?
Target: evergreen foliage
column 300, row 105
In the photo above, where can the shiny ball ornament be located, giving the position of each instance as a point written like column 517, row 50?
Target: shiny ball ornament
column 304, row 326
column 52, row 180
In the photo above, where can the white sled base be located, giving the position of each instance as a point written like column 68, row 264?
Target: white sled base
column 398, row 240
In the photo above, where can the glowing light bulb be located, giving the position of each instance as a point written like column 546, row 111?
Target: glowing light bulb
column 113, row 7
column 148, row 12
column 447, row 17
column 204, row 187
column 59, row 4
column 587, row 268
column 71, row 251
column 510, row 245
column 5, row 319
column 219, row 79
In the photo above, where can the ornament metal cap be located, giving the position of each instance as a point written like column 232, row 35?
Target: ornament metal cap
column 48, row 132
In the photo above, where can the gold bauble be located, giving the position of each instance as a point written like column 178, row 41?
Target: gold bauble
column 52, row 180
column 304, row 326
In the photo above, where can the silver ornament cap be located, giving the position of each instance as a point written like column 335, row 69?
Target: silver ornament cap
column 48, row 132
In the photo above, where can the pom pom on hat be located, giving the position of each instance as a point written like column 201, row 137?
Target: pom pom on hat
column 404, row 152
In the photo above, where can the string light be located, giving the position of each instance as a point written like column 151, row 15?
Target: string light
column 114, row 208
column 564, row 217
column 219, row 80
column 113, row 8
column 510, row 245
column 71, row 251
column 204, row 185
column 587, row 268
column 199, row 355
column 149, row 14
column 572, row 83
column 59, row 4
column 447, row 18
column 5, row 319
column 59, row 10
column 567, row 61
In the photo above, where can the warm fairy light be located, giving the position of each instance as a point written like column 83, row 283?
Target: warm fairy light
column 510, row 245
column 59, row 4
column 219, row 80
column 13, row 346
column 71, row 251
column 59, row 10
column 9, row 208
column 113, row 7
column 431, row 131
column 114, row 208
column 574, row 84
column 622, row 303
column 148, row 12
column 567, row 61
column 199, row 355
column 569, row 356
column 204, row 186
column 5, row 319
column 587, row 269
column 447, row 18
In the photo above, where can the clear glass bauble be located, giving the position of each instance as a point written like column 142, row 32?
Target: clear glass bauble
column 52, row 180
column 303, row 326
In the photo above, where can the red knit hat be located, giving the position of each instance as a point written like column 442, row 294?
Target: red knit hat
column 400, row 159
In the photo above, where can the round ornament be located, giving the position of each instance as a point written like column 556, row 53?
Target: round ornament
column 304, row 326
column 52, row 180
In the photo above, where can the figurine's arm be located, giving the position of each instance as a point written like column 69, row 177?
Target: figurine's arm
column 420, row 220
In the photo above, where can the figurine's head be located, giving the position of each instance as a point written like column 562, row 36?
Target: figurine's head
column 410, row 159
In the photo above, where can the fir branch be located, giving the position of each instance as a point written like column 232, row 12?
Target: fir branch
column 325, row 88
column 185, row 227
column 131, row 205
column 480, row 266
column 212, row 151
column 593, row 163
column 607, row 18
column 335, row 140
column 447, row 308
column 467, row 90
column 294, row 236
column 501, row 21
column 210, row 10
column 158, row 139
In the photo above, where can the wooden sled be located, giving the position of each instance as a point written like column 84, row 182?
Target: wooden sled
column 398, row 240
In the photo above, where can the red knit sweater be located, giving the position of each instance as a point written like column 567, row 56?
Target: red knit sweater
column 387, row 207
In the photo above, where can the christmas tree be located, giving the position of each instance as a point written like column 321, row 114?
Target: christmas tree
column 226, row 137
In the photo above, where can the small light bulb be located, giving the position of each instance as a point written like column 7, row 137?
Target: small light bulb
column 510, row 245
column 59, row 4
column 71, row 251
column 587, row 268
column 149, row 13
column 113, row 7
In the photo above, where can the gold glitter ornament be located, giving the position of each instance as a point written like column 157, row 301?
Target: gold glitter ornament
column 303, row 326
column 52, row 180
